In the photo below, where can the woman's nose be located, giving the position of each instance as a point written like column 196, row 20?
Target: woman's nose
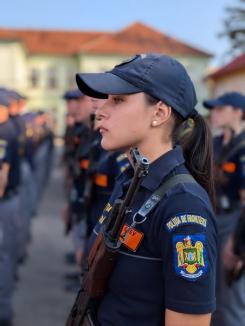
column 101, row 112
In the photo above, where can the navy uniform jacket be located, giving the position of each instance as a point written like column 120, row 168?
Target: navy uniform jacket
column 109, row 167
column 233, row 167
column 82, row 157
column 8, row 133
column 170, row 261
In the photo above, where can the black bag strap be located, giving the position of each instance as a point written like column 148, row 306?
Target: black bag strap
column 155, row 198
column 230, row 150
column 236, row 149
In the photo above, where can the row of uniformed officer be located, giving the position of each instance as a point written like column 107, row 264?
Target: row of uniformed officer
column 21, row 140
column 227, row 116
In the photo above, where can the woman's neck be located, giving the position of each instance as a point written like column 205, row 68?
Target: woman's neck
column 152, row 151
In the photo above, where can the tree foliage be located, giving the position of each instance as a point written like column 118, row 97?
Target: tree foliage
column 234, row 27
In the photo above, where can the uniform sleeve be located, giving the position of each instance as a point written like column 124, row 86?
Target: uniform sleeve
column 188, row 248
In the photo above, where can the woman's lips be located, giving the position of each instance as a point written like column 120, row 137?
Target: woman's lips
column 102, row 130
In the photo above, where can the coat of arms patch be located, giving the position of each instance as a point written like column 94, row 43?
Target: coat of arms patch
column 190, row 255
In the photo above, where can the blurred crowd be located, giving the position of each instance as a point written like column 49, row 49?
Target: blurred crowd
column 26, row 146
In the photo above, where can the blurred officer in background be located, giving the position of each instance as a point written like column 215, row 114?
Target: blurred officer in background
column 80, row 134
column 10, row 228
column 227, row 114
column 43, row 137
column 17, row 106
column 70, row 139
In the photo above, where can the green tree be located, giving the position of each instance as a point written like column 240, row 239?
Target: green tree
column 234, row 27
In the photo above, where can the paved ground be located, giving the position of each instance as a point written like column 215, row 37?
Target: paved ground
column 40, row 299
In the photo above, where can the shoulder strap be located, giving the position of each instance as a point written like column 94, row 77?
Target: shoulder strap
column 236, row 148
column 155, row 198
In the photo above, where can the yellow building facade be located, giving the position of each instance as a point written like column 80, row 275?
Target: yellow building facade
column 43, row 64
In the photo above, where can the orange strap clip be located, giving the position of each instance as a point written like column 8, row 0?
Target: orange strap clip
column 229, row 167
column 101, row 180
column 84, row 164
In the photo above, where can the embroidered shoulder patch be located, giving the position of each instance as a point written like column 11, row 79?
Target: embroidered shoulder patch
column 184, row 219
column 190, row 255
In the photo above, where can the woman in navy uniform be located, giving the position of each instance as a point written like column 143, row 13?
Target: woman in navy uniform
column 165, row 273
column 227, row 114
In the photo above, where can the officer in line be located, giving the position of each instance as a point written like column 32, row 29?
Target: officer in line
column 75, row 134
column 81, row 136
column 227, row 113
column 166, row 275
column 88, row 157
column 70, row 139
column 43, row 152
column 17, row 105
column 9, row 209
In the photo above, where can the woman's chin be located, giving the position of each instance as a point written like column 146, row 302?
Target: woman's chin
column 109, row 146
column 106, row 145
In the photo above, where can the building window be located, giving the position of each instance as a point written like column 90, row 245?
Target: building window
column 34, row 78
column 52, row 77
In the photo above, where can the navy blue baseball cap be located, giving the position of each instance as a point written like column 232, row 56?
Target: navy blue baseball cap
column 4, row 99
column 73, row 94
column 234, row 99
column 15, row 95
column 157, row 75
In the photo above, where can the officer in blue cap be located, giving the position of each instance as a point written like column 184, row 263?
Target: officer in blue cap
column 73, row 129
column 227, row 114
column 9, row 207
column 165, row 273
column 17, row 105
column 76, row 158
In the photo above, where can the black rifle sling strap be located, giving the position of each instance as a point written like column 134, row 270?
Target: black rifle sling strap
column 155, row 198
column 236, row 148
column 228, row 153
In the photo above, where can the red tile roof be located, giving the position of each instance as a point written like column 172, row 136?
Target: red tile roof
column 139, row 38
column 136, row 38
column 50, row 42
column 233, row 66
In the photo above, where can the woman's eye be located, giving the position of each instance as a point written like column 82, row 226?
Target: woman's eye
column 117, row 100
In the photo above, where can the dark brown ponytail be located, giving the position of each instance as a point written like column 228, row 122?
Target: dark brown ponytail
column 195, row 138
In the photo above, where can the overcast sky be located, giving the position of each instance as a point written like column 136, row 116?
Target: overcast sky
column 197, row 22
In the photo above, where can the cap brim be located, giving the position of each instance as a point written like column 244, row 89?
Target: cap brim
column 100, row 85
column 210, row 104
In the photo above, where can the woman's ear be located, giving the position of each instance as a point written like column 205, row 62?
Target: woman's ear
column 161, row 113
